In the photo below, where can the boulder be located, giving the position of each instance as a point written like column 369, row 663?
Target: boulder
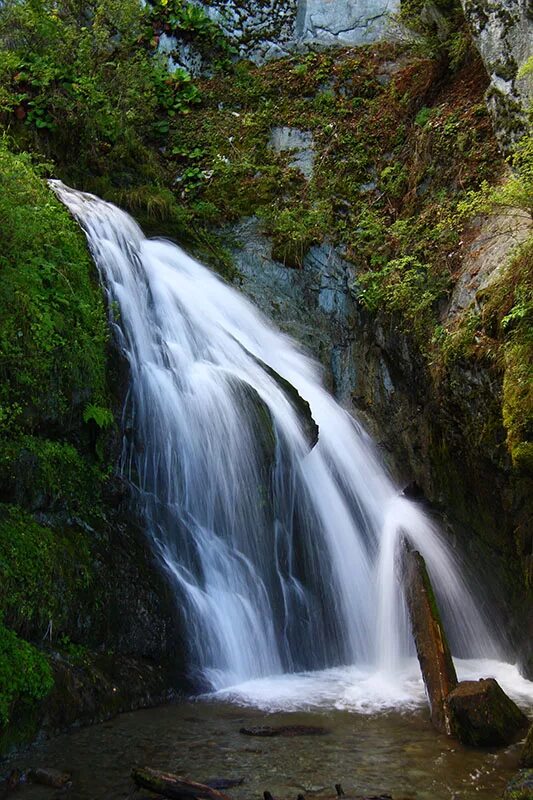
column 526, row 759
column 520, row 787
column 482, row 715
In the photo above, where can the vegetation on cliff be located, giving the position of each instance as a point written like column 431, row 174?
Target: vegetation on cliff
column 53, row 338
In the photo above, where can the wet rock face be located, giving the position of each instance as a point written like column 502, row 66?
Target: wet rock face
column 311, row 304
column 503, row 33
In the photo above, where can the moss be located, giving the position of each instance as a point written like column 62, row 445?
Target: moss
column 24, row 673
column 53, row 330
column 43, row 571
column 49, row 475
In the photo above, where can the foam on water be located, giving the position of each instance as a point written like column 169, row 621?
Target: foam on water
column 365, row 690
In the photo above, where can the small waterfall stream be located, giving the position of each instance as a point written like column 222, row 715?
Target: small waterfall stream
column 282, row 554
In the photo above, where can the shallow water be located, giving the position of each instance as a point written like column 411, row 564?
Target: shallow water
column 367, row 750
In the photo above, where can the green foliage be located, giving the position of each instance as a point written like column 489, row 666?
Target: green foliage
column 459, row 342
column 76, row 653
column 24, row 673
column 423, row 116
column 440, row 29
column 405, row 287
column 294, row 229
column 103, row 417
column 176, row 94
column 516, row 192
column 393, row 180
column 517, row 327
column 187, row 20
column 79, row 82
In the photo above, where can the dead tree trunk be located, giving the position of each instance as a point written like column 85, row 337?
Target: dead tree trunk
column 432, row 647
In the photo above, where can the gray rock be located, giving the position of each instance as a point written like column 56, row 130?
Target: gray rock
column 266, row 29
column 300, row 143
column 344, row 23
column 503, row 33
column 486, row 255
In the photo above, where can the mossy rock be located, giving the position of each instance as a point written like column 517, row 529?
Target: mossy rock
column 483, row 716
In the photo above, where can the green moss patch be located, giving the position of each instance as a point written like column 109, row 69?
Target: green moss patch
column 53, row 329
column 42, row 571
column 24, row 673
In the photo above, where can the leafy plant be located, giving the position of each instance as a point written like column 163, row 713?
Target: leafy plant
column 102, row 416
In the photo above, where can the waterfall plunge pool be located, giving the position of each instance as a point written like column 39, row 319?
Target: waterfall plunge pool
column 380, row 740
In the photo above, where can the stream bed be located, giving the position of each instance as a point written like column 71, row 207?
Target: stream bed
column 369, row 748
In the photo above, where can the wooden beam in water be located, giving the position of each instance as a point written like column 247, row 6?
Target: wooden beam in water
column 432, row 647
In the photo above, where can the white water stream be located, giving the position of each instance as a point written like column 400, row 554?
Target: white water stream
column 283, row 557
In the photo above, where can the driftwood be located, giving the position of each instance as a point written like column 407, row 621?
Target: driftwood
column 173, row 786
column 432, row 647
column 339, row 793
column 49, row 777
column 285, row 730
column 354, row 796
column 223, row 783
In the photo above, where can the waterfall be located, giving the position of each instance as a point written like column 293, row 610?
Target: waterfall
column 282, row 554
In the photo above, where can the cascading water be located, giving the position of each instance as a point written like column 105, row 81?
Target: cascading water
column 283, row 556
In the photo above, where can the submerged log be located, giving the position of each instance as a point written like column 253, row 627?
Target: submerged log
column 483, row 716
column 49, row 777
column 224, row 783
column 382, row 796
column 285, row 730
column 174, row 786
column 432, row 648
